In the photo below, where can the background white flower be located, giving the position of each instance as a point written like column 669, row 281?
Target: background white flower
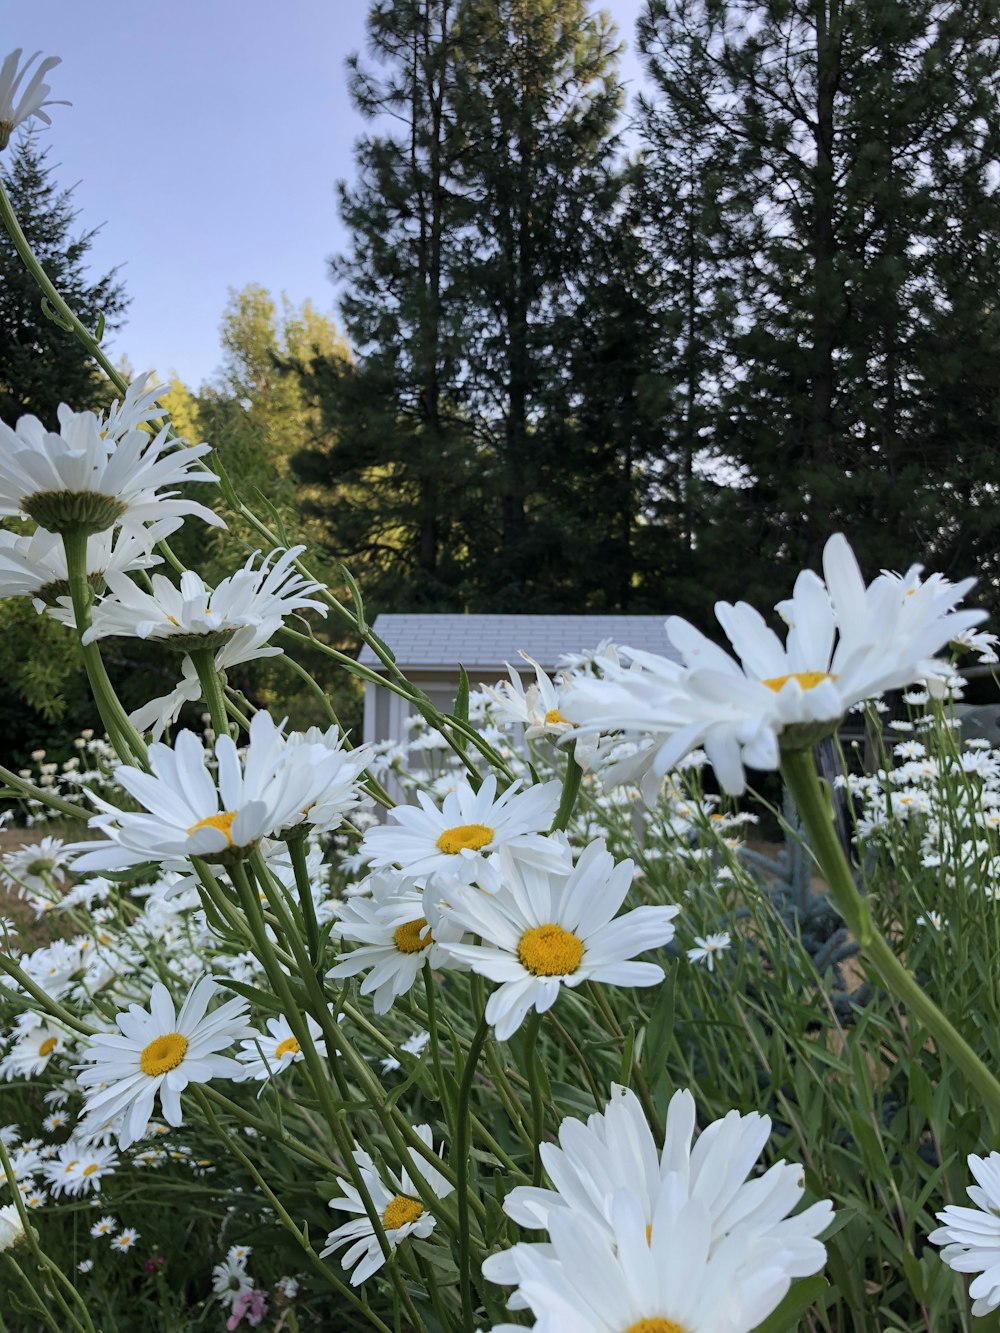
column 399, row 1207
column 157, row 1053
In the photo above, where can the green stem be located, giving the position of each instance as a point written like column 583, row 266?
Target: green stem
column 44, row 1001
column 40, row 794
column 799, row 772
column 41, row 1258
column 435, row 1043
column 128, row 744
column 297, row 852
column 212, row 693
column 69, row 320
column 462, row 1151
column 531, row 1065
column 570, row 791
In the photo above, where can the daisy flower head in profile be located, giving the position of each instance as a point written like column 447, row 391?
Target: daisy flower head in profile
column 266, row 1054
column 157, row 1053
column 17, row 104
column 970, row 1237
column 541, row 931
column 846, row 642
column 593, row 1159
column 70, row 481
column 35, row 566
column 105, row 1226
column 469, row 827
column 393, row 940
column 252, row 603
column 398, row 1204
column 189, row 811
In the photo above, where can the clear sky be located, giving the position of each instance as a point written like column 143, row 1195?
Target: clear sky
column 206, row 137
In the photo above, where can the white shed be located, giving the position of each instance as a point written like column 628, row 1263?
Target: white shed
column 428, row 649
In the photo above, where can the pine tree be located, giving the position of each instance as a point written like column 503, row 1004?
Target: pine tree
column 393, row 485
column 857, row 142
column 537, row 105
column 41, row 365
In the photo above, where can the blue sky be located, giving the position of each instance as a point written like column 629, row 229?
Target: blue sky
column 206, row 137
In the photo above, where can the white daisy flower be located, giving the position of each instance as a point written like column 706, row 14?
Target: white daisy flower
column 126, row 1240
column 398, row 1205
column 251, row 603
column 971, row 1236
column 535, row 708
column 636, row 1276
column 846, row 643
column 614, row 1146
column 25, row 1162
column 31, row 1053
column 540, row 932
column 15, row 109
column 395, row 940
column 265, row 1054
column 70, row 479
column 11, row 1228
column 230, row 1278
column 79, row 1168
column 139, row 407
column 34, row 866
column 105, row 1226
column 85, row 1266
column 707, row 946
column 413, row 1045
column 159, row 1052
column 35, row 566
column 33, row 1197
column 190, row 812
column 469, row 827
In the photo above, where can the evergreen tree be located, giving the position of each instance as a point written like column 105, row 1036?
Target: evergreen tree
column 393, row 485
column 537, row 104
column 446, row 482
column 41, row 365
column 857, row 140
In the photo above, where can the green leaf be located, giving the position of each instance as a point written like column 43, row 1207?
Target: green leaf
column 786, row 1318
column 462, row 705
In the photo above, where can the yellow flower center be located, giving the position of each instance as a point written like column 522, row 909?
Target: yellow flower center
column 287, row 1047
column 550, row 951
column 47, row 1046
column 163, row 1054
column 223, row 822
column 462, row 836
column 656, row 1326
column 553, row 717
column 412, row 936
column 400, row 1211
column 807, row 679
column 90, row 1169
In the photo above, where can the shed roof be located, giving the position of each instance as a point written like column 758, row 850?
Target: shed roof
column 442, row 641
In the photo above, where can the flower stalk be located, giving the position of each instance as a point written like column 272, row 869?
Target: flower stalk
column 798, row 769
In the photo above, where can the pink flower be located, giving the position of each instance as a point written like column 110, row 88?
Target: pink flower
column 253, row 1304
